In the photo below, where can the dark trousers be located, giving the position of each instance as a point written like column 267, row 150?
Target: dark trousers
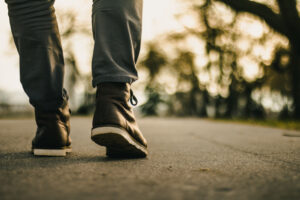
column 116, row 26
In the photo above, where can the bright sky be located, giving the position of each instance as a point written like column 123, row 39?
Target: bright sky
column 158, row 18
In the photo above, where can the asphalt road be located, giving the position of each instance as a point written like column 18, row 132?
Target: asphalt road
column 189, row 159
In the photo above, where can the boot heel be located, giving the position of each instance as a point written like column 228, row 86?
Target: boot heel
column 118, row 142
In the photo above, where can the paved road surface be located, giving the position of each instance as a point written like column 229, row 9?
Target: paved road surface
column 189, row 159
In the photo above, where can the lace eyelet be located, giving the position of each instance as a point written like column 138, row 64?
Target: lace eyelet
column 133, row 100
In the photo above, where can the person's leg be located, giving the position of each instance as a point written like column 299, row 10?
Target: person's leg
column 117, row 26
column 36, row 36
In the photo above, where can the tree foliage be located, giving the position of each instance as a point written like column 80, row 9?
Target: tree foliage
column 230, row 51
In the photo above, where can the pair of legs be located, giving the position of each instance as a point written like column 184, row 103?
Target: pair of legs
column 117, row 35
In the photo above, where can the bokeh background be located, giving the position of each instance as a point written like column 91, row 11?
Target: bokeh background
column 228, row 59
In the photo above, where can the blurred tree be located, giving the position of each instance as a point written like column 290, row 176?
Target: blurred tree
column 286, row 22
column 230, row 76
column 229, row 52
column 189, row 99
column 70, row 31
column 153, row 63
column 227, row 76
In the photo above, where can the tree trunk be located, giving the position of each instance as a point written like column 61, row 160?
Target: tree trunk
column 295, row 65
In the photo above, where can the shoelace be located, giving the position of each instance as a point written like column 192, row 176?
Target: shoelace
column 133, row 99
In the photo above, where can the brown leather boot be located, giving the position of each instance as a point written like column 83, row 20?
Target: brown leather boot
column 53, row 132
column 114, row 124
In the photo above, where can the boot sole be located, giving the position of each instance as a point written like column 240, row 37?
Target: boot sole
column 118, row 142
column 51, row 152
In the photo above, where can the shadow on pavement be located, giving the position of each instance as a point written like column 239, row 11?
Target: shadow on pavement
column 25, row 159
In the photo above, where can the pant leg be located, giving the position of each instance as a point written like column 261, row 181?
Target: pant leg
column 35, row 32
column 117, row 26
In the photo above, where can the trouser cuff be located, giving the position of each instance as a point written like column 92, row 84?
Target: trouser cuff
column 117, row 79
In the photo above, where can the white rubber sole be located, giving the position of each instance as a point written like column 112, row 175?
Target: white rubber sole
column 51, row 152
column 119, row 143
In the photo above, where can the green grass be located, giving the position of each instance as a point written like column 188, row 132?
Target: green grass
column 284, row 124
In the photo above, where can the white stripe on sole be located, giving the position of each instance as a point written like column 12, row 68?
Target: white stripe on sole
column 51, row 152
column 104, row 130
